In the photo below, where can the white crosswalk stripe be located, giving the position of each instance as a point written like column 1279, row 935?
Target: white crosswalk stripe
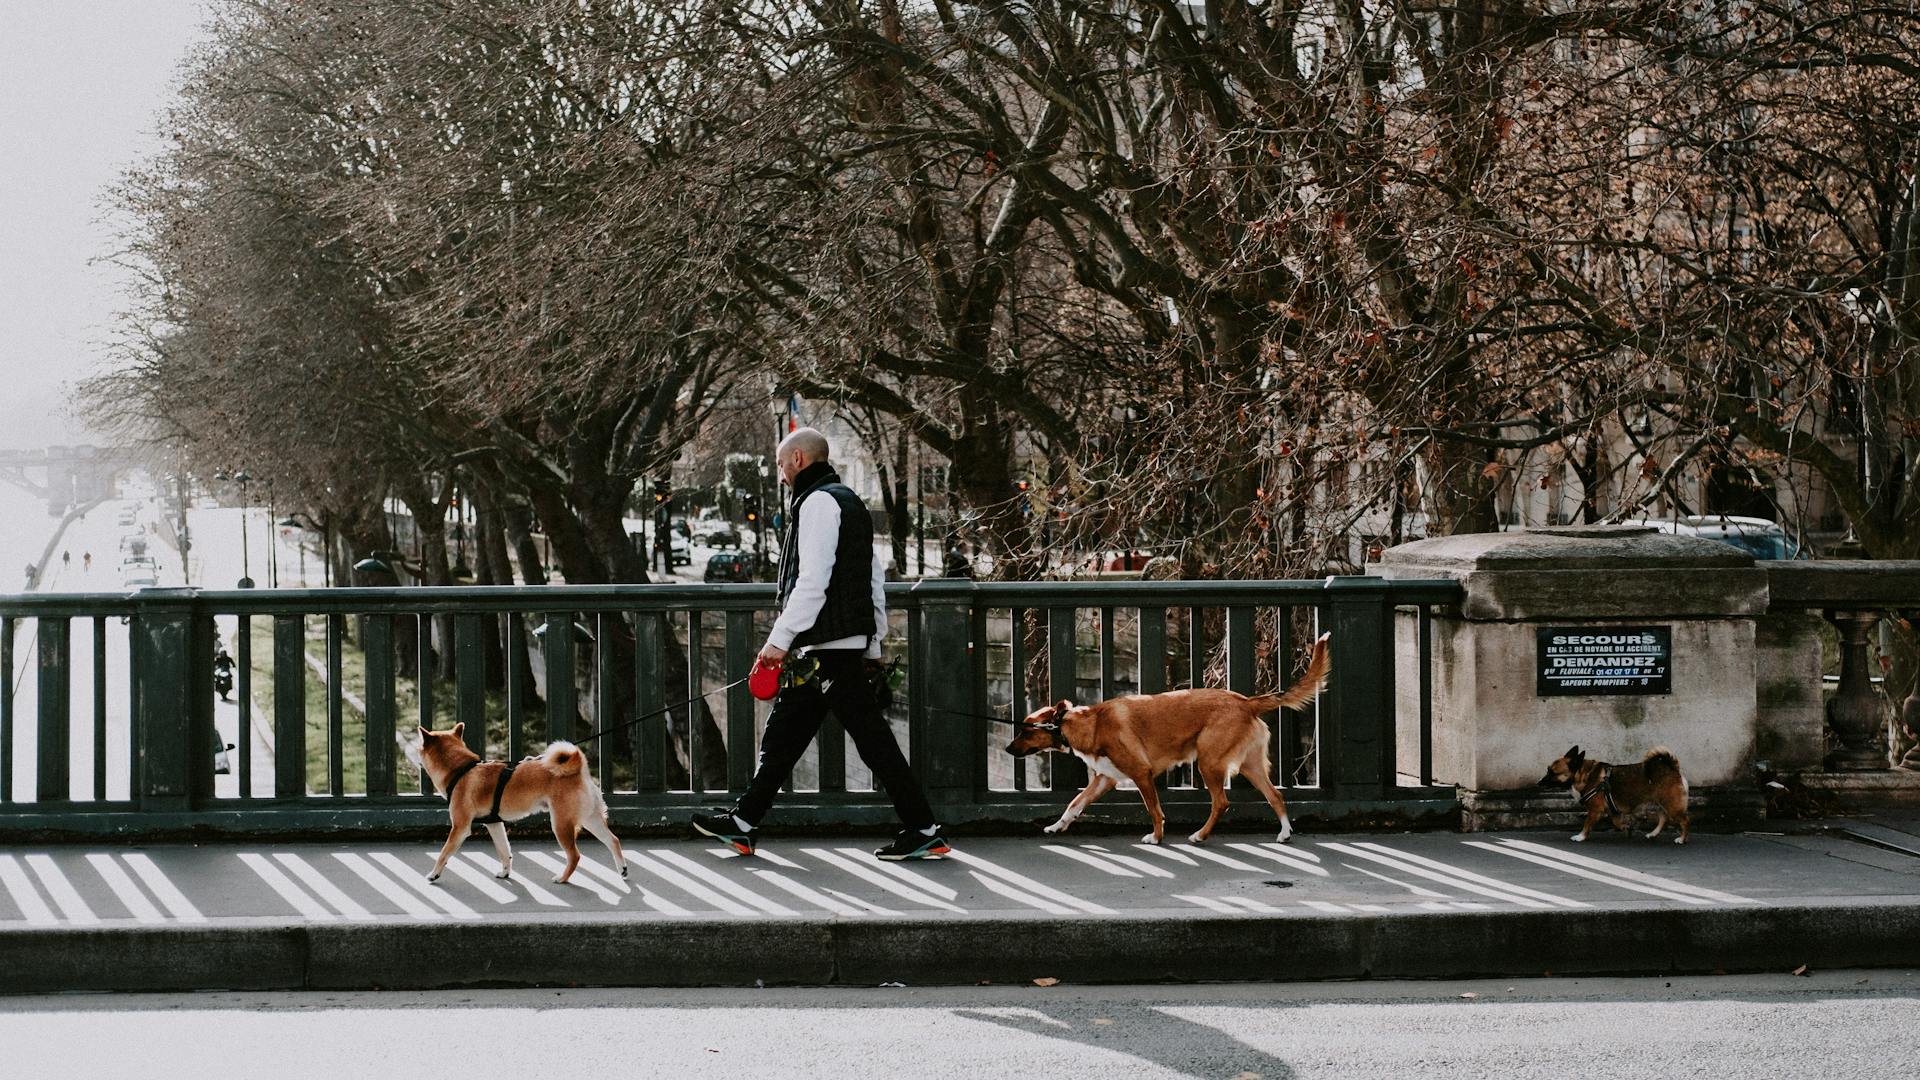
column 65, row 896
column 417, row 881
column 25, row 896
column 399, row 895
column 1202, row 853
column 872, row 876
column 1290, row 858
column 1591, row 875
column 1130, row 862
column 1417, row 890
column 994, row 884
column 282, row 884
column 1462, row 880
column 326, row 890
column 552, row 865
column 136, row 902
column 923, row 881
column 866, row 905
column 808, row 893
column 540, row 894
column 1209, row 903
column 1622, row 872
column 1409, row 857
column 1087, row 858
column 1027, row 884
column 488, row 885
column 1326, row 906
column 1251, row 904
column 161, row 886
column 672, row 876
column 721, row 881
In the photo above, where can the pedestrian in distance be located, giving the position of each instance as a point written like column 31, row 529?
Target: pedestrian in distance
column 826, row 642
column 66, row 560
column 86, row 562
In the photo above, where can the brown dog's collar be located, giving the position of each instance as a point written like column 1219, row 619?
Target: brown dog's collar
column 1603, row 788
column 459, row 774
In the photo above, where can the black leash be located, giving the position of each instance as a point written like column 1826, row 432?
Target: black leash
column 661, row 710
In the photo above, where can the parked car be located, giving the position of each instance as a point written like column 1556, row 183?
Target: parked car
column 140, row 581
column 729, row 566
column 1758, row 537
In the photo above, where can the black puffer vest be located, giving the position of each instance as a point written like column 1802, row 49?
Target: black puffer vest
column 848, row 610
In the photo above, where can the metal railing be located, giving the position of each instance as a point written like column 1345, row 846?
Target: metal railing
column 123, row 734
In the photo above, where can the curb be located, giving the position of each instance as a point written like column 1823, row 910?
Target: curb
column 423, row 955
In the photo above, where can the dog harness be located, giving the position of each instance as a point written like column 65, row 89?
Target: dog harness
column 492, row 816
column 1603, row 788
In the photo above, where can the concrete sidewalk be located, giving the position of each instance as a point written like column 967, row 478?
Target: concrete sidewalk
column 1089, row 908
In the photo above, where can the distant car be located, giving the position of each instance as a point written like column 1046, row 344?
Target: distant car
column 723, row 538
column 729, row 566
column 680, row 553
column 1758, row 537
column 141, row 581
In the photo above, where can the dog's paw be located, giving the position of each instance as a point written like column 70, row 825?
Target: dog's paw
column 503, row 873
column 1150, row 839
column 1286, row 833
column 1578, row 838
column 1058, row 826
column 433, row 877
column 623, row 869
column 1196, row 838
column 559, row 879
column 1679, row 839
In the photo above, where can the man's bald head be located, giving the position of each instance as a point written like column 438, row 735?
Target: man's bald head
column 801, row 448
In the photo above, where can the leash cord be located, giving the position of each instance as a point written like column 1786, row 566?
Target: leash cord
column 661, row 710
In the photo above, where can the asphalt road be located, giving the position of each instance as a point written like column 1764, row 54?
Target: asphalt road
column 1840, row 1024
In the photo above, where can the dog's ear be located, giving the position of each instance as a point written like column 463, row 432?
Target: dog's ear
column 1574, row 753
column 424, row 733
column 457, row 729
column 1061, row 708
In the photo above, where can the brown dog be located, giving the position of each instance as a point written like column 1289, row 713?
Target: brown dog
column 1139, row 737
column 556, row 781
column 1618, row 791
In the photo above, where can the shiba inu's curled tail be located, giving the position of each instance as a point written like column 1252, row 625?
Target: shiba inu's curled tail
column 1306, row 688
column 563, row 758
column 1660, row 762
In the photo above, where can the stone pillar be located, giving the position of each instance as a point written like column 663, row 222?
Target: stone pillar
column 1512, row 689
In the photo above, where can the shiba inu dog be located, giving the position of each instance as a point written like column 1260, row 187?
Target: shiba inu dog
column 1141, row 736
column 1618, row 791
column 495, row 792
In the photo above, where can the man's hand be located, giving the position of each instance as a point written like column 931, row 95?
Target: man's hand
column 772, row 657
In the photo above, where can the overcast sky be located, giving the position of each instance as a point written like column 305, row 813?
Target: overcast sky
column 82, row 83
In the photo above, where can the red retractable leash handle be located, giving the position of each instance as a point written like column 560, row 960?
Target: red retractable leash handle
column 764, row 680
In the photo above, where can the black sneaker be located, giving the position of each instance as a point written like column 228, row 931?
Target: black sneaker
column 723, row 828
column 914, row 844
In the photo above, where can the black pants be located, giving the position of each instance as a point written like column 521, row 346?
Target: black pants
column 797, row 714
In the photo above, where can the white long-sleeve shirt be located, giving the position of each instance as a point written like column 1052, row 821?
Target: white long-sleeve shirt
column 818, row 541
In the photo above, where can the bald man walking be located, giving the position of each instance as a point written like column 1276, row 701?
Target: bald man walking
column 833, row 610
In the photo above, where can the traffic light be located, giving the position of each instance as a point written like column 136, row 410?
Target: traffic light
column 1026, row 501
column 752, row 503
column 662, row 494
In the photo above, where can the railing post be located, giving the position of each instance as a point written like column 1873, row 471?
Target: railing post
column 1356, row 754
column 173, row 735
column 950, row 739
column 1855, row 714
column 52, row 780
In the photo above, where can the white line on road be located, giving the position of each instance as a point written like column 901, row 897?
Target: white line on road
column 1592, row 875
column 1090, row 859
column 488, row 885
column 1209, row 903
column 762, row 854
column 327, row 890
column 871, row 876
column 1411, row 859
column 171, row 898
column 123, row 887
column 1030, row 885
column 1431, row 875
column 1251, row 904
column 417, row 881
column 857, row 902
column 721, row 881
column 487, row 864
column 1021, row 896
column 1650, row 879
column 899, row 872
column 1202, row 853
column 1164, row 852
column 1292, row 860
column 1325, row 905
column 65, row 897
column 25, row 897
column 282, row 884
column 1377, row 909
column 1417, row 890
column 385, row 886
column 1140, row 865
column 552, row 865
column 807, row 893
column 685, row 884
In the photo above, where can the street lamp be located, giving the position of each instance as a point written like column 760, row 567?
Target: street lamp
column 240, row 477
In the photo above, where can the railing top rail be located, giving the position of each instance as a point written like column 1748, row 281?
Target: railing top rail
column 1843, row 584
column 717, row 597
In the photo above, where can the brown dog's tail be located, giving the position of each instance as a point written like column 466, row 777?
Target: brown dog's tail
column 563, row 758
column 1660, row 762
column 1306, row 688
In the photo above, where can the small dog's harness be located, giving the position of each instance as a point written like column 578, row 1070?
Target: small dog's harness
column 492, row 816
column 1603, row 788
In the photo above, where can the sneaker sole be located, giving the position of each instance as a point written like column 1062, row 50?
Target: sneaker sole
column 744, row 849
column 931, row 853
